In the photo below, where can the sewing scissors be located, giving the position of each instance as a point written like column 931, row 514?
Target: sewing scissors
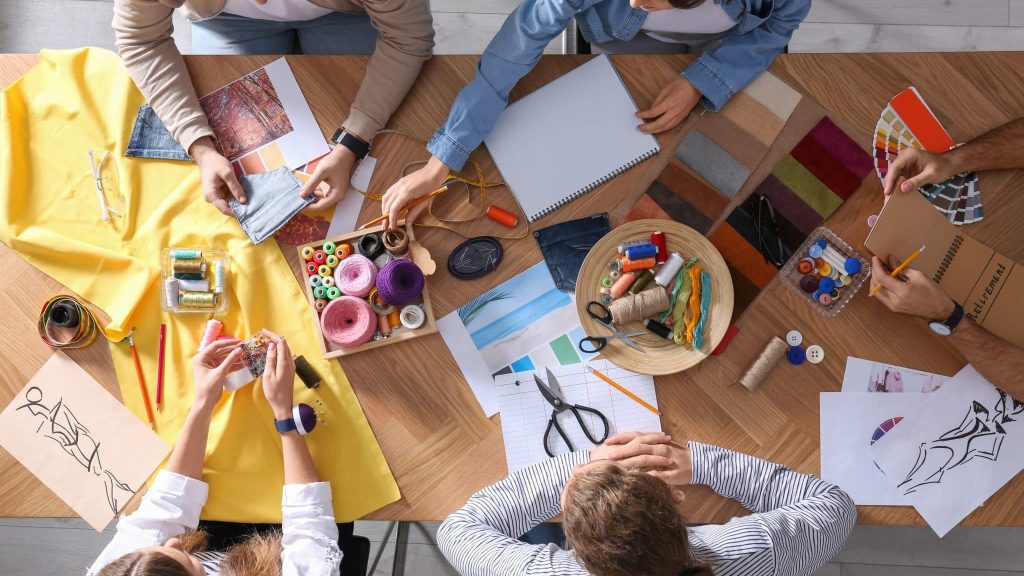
column 602, row 314
column 552, row 392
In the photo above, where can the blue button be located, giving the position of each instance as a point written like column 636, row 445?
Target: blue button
column 852, row 266
column 821, row 243
column 826, row 284
column 796, row 355
column 815, row 251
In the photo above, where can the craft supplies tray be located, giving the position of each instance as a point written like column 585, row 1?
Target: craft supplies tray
column 659, row 356
column 194, row 280
column 345, row 279
column 825, row 258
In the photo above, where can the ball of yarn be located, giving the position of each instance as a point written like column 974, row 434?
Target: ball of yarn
column 348, row 321
column 400, row 282
column 355, row 275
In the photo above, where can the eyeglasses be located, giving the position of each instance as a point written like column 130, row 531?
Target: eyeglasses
column 765, row 223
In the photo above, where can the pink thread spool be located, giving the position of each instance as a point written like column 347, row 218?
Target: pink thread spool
column 348, row 321
column 355, row 275
column 211, row 333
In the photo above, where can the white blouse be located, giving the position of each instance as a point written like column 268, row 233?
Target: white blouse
column 708, row 18
column 172, row 505
column 279, row 10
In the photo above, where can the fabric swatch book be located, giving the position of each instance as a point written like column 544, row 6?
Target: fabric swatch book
column 568, row 137
column 987, row 284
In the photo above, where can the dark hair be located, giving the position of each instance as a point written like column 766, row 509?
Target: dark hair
column 685, row 4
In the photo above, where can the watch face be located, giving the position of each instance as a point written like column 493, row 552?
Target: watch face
column 940, row 328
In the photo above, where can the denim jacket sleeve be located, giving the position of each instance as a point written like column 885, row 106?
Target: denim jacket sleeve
column 512, row 53
column 743, row 56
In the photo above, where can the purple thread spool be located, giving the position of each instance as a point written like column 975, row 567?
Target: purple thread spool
column 400, row 282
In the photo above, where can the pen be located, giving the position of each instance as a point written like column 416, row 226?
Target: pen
column 142, row 381
column 160, row 368
column 898, row 269
column 406, row 207
column 620, row 388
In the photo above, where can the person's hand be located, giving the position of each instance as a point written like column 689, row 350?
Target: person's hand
column 217, row 176
column 210, row 368
column 279, row 376
column 635, row 450
column 917, row 168
column 334, row 171
column 915, row 294
column 673, row 103
column 412, row 186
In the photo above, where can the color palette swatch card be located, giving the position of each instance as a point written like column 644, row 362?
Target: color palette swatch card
column 908, row 122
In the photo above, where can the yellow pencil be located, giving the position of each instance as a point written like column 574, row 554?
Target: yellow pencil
column 620, row 388
column 898, row 269
column 406, row 207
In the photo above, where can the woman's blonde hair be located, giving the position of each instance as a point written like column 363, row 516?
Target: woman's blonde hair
column 258, row 555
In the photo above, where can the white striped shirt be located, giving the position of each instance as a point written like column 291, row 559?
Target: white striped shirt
column 799, row 522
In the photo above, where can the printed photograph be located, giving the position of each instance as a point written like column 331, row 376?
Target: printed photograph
column 886, row 378
column 246, row 114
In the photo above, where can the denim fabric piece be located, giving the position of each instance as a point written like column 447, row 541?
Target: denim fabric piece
column 273, row 198
column 566, row 244
column 150, row 138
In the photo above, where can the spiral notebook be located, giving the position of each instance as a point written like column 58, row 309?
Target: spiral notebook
column 568, row 137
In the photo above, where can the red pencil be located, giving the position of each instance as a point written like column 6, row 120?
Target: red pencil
column 160, row 368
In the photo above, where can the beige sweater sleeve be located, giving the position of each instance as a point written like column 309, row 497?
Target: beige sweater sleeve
column 142, row 31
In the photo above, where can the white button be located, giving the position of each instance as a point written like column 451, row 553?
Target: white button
column 794, row 338
column 815, row 354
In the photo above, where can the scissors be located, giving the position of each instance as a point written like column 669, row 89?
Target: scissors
column 602, row 314
column 552, row 392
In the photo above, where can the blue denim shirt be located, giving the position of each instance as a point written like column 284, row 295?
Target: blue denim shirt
column 763, row 29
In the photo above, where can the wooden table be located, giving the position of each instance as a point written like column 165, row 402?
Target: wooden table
column 437, row 441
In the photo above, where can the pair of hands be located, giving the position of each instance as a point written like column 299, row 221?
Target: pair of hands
column 328, row 183
column 220, row 358
column 654, row 452
column 669, row 108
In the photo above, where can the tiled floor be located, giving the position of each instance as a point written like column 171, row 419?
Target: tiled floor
column 66, row 546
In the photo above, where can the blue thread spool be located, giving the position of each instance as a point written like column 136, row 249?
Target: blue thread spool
column 315, row 280
column 648, row 250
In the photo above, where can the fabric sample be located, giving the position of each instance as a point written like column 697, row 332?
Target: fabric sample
column 677, row 208
column 566, row 244
column 839, row 145
column 742, row 255
column 712, row 163
column 723, row 131
column 150, row 138
column 679, row 179
column 272, row 200
column 807, row 186
column 774, row 94
column 787, row 203
column 827, row 168
column 756, row 120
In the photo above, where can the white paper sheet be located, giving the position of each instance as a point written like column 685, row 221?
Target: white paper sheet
column 346, row 212
column 525, row 412
column 306, row 141
column 869, row 376
column 961, row 445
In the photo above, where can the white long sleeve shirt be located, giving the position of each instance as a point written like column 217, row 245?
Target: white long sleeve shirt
column 172, row 505
column 799, row 522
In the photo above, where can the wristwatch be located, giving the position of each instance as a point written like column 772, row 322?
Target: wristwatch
column 352, row 142
column 284, row 426
column 947, row 326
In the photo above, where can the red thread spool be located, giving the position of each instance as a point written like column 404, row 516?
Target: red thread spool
column 641, row 264
column 503, row 217
column 311, row 268
column 319, row 257
column 658, row 239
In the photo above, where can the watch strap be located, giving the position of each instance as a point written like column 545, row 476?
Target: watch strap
column 345, row 138
column 285, row 426
column 954, row 319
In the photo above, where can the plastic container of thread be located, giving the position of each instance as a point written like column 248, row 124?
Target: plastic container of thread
column 194, row 280
column 826, row 272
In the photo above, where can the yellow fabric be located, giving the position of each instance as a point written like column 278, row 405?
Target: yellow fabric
column 74, row 101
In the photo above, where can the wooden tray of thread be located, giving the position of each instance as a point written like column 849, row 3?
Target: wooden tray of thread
column 194, row 280
column 348, row 276
column 678, row 244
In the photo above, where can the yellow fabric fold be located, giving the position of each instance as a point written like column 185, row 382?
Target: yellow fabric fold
column 76, row 101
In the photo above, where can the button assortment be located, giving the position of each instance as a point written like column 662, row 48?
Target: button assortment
column 796, row 355
column 826, row 270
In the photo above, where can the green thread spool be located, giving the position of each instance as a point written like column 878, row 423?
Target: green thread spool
column 320, row 292
column 197, row 300
column 641, row 282
column 329, row 248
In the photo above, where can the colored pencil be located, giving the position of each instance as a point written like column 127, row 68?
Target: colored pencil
column 406, row 207
column 142, row 381
column 913, row 256
column 622, row 389
column 160, row 368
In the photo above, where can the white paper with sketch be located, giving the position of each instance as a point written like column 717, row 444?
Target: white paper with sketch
column 79, row 441
column 961, row 445
column 525, row 412
column 869, row 376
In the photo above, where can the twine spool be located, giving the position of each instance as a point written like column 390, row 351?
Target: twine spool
column 348, row 321
column 413, row 317
column 355, row 275
column 197, row 300
column 764, row 364
column 400, row 282
column 371, row 246
column 639, row 306
column 396, row 242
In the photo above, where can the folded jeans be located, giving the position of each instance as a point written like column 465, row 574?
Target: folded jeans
column 565, row 245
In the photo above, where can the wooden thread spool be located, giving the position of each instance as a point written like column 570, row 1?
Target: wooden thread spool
column 764, row 364
column 639, row 306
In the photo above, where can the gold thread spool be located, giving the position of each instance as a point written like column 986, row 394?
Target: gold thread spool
column 636, row 307
column 196, row 266
column 395, row 241
column 764, row 364
column 197, row 300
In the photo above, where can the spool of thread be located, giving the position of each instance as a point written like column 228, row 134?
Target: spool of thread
column 307, row 253
column 320, row 304
column 171, row 293
column 190, row 299
column 332, row 261
column 668, row 270
column 614, row 274
column 329, row 248
column 606, row 282
column 305, row 372
column 210, row 333
column 343, row 251
column 502, row 216
column 395, row 241
column 383, row 259
column 413, row 317
column 311, row 268
column 400, row 282
column 636, row 307
column 316, row 280
column 190, row 266
column 379, row 305
column 763, row 365
column 355, row 275
column 66, row 315
column 333, row 293
column 641, row 282
column 220, row 271
column 194, row 285
column 186, row 254
column 622, row 247
column 188, row 276
column 658, row 328
column 348, row 322
column 324, row 270
column 371, row 246
column 383, row 324
column 659, row 240
column 320, row 292
column 615, row 264
column 327, row 281
column 319, row 257
column 622, row 284
column 641, row 251
column 395, row 317
column 641, row 264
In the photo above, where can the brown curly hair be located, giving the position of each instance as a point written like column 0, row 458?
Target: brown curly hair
column 259, row 555
column 624, row 522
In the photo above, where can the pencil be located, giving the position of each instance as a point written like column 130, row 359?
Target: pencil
column 142, row 381
column 622, row 389
column 898, row 269
column 406, row 207
column 160, row 368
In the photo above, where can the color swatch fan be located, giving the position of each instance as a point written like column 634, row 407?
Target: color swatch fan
column 908, row 122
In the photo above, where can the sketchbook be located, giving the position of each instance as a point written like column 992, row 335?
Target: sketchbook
column 568, row 137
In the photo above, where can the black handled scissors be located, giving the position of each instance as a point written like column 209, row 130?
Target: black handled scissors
column 552, row 392
column 601, row 313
